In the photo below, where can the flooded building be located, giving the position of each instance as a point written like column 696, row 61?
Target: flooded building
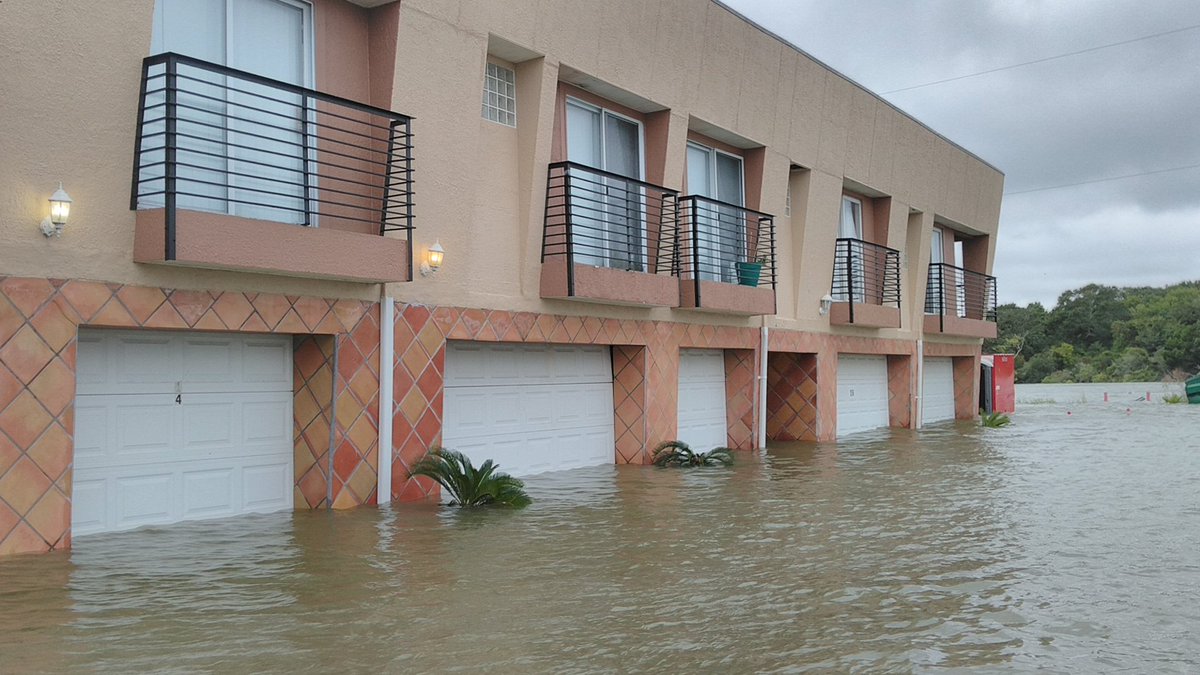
column 300, row 242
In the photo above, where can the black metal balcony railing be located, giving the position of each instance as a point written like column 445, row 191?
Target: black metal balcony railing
column 718, row 240
column 958, row 292
column 211, row 138
column 600, row 218
column 865, row 273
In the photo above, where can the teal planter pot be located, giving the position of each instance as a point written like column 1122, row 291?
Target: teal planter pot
column 748, row 273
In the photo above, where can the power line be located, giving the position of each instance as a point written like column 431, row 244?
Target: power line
column 1103, row 180
column 1043, row 60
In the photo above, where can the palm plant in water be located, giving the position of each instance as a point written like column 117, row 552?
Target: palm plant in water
column 678, row 453
column 470, row 486
column 994, row 420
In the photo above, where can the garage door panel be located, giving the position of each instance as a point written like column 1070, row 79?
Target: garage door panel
column 266, row 421
column 530, row 408
column 267, row 362
column 702, row 398
column 937, row 390
column 208, row 493
column 89, row 500
column 862, row 393
column 208, row 360
column 144, row 430
column 207, row 424
column 144, row 499
column 144, row 457
column 267, row 488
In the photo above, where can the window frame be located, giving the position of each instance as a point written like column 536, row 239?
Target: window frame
column 500, row 112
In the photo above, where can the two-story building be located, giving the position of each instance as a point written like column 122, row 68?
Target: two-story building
column 309, row 239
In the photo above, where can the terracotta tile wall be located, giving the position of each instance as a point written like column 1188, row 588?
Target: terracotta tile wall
column 645, row 349
column 966, row 387
column 900, row 391
column 791, row 397
column 39, row 326
column 826, row 347
column 740, row 395
column 629, row 402
column 312, row 378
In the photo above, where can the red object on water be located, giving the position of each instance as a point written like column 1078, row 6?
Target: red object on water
column 1004, row 396
column 1106, row 397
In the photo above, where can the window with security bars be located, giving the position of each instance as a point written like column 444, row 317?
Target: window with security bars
column 500, row 95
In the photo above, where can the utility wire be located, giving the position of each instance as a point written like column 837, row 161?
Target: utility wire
column 1102, row 180
column 1043, row 60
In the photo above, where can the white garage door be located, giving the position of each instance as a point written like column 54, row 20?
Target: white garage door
column 702, row 423
column 937, row 390
column 862, row 393
column 180, row 426
column 529, row 408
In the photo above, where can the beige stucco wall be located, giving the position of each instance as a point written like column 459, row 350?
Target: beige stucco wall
column 737, row 78
column 480, row 187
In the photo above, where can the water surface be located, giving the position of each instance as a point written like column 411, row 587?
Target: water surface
column 1067, row 542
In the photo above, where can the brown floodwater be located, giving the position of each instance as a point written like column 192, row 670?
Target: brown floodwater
column 1065, row 542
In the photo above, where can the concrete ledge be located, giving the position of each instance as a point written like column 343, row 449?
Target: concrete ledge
column 865, row 315
column 608, row 286
column 724, row 298
column 955, row 325
column 219, row 241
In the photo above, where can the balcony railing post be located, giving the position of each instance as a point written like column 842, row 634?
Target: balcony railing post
column 136, row 183
column 170, row 146
column 850, row 277
column 695, row 249
column 567, row 225
column 305, row 120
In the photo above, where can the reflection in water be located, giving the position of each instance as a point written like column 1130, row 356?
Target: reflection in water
column 1067, row 542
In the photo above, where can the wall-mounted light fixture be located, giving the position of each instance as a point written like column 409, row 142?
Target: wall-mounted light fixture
column 60, row 211
column 826, row 304
column 433, row 259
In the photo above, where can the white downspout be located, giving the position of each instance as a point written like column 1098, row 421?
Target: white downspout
column 920, row 411
column 762, row 388
column 387, row 348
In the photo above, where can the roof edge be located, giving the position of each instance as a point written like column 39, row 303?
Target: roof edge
column 835, row 71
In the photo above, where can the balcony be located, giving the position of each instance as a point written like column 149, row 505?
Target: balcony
column 239, row 172
column 608, row 238
column 960, row 302
column 726, row 259
column 866, row 285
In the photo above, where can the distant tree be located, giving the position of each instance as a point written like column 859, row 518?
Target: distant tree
column 1085, row 316
column 1019, row 330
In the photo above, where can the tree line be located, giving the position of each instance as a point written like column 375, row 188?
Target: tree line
column 1104, row 334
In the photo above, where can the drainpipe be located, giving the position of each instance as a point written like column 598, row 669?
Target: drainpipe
column 920, row 411
column 762, row 387
column 387, row 346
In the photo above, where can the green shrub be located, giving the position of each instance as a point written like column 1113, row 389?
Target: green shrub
column 994, row 420
column 469, row 486
column 678, row 453
column 1174, row 398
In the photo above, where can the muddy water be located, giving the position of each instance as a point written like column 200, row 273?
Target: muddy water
column 1069, row 542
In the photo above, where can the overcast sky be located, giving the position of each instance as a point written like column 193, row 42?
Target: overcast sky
column 1116, row 111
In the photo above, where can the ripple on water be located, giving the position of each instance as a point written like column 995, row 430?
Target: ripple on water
column 1063, row 541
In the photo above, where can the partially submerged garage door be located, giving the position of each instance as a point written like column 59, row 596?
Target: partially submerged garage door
column 702, row 422
column 530, row 408
column 180, row 426
column 937, row 390
column 862, row 393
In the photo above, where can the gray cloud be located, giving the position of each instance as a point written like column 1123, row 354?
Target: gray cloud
column 1123, row 110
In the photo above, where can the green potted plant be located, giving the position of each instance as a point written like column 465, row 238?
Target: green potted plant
column 748, row 272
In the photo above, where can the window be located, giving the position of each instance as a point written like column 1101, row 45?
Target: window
column 608, row 212
column 850, row 265
column 851, row 225
column 720, row 229
column 242, row 146
column 500, row 95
